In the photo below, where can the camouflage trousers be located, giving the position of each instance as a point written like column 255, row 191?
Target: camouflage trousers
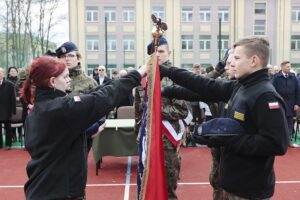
column 214, row 176
column 172, row 168
column 230, row 196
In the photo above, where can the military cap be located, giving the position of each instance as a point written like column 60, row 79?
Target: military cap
column 220, row 127
column 150, row 47
column 65, row 48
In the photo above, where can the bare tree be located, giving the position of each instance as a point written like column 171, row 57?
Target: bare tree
column 28, row 25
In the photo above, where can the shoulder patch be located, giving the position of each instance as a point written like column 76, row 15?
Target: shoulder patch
column 238, row 115
column 77, row 98
column 273, row 105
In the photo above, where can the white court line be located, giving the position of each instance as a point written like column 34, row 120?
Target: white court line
column 134, row 184
column 128, row 174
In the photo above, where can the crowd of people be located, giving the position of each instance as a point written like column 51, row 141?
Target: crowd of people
column 262, row 100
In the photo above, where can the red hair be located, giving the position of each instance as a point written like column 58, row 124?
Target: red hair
column 41, row 70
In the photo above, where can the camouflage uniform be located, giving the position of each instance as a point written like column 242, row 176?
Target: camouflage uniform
column 80, row 82
column 172, row 111
column 214, row 175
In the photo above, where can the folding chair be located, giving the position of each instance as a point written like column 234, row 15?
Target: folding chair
column 17, row 121
column 125, row 112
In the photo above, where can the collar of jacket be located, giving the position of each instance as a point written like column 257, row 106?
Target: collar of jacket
column 45, row 93
column 13, row 79
column 255, row 77
column 167, row 63
column 75, row 71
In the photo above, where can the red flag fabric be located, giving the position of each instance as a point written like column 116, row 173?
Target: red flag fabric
column 154, row 182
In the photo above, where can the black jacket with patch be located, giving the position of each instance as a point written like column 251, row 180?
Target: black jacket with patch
column 246, row 160
column 55, row 141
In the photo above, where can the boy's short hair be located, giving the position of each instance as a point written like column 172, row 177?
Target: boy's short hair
column 258, row 46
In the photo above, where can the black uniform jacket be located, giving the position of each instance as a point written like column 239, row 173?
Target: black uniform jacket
column 7, row 100
column 246, row 160
column 55, row 141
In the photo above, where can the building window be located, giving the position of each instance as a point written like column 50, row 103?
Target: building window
column 186, row 14
column 187, row 66
column 128, row 14
column 205, row 42
column 187, row 42
column 205, row 15
column 159, row 11
column 224, row 42
column 111, row 44
column 90, row 69
column 110, row 14
column 296, row 14
column 129, row 65
column 92, row 43
column 295, row 42
column 260, row 8
column 260, row 27
column 129, row 43
column 91, row 13
column 223, row 14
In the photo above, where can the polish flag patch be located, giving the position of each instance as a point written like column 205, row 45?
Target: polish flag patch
column 273, row 105
column 77, row 98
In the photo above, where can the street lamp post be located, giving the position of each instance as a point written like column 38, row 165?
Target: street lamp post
column 220, row 40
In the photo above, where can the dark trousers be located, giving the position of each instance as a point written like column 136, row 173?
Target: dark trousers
column 7, row 128
column 290, row 122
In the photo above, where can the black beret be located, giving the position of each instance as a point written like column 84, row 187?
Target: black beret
column 150, row 47
column 66, row 48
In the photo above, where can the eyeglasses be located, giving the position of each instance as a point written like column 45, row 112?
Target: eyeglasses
column 100, row 69
column 68, row 56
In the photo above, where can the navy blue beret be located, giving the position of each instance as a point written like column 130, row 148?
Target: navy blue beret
column 220, row 127
column 150, row 47
column 66, row 48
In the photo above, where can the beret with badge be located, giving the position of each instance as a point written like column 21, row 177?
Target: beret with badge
column 65, row 48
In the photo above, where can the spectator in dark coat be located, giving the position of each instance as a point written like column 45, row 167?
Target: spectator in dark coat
column 286, row 84
column 7, row 107
column 101, row 78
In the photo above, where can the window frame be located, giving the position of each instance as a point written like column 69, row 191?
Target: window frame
column 296, row 14
column 224, row 12
column 94, row 13
column 206, row 42
column 110, row 13
column 257, row 9
column 295, row 42
column 187, row 42
column 186, row 14
column 128, row 11
column 258, row 26
column 159, row 13
column 92, row 43
column 206, row 12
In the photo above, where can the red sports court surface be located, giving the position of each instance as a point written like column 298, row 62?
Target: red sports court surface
column 117, row 178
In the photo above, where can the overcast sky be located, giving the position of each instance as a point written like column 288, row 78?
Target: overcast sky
column 61, row 31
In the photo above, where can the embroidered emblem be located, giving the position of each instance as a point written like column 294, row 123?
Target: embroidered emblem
column 77, row 98
column 239, row 116
column 63, row 49
column 273, row 105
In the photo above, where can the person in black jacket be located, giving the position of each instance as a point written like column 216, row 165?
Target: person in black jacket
column 247, row 160
column 54, row 129
column 7, row 108
column 286, row 84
